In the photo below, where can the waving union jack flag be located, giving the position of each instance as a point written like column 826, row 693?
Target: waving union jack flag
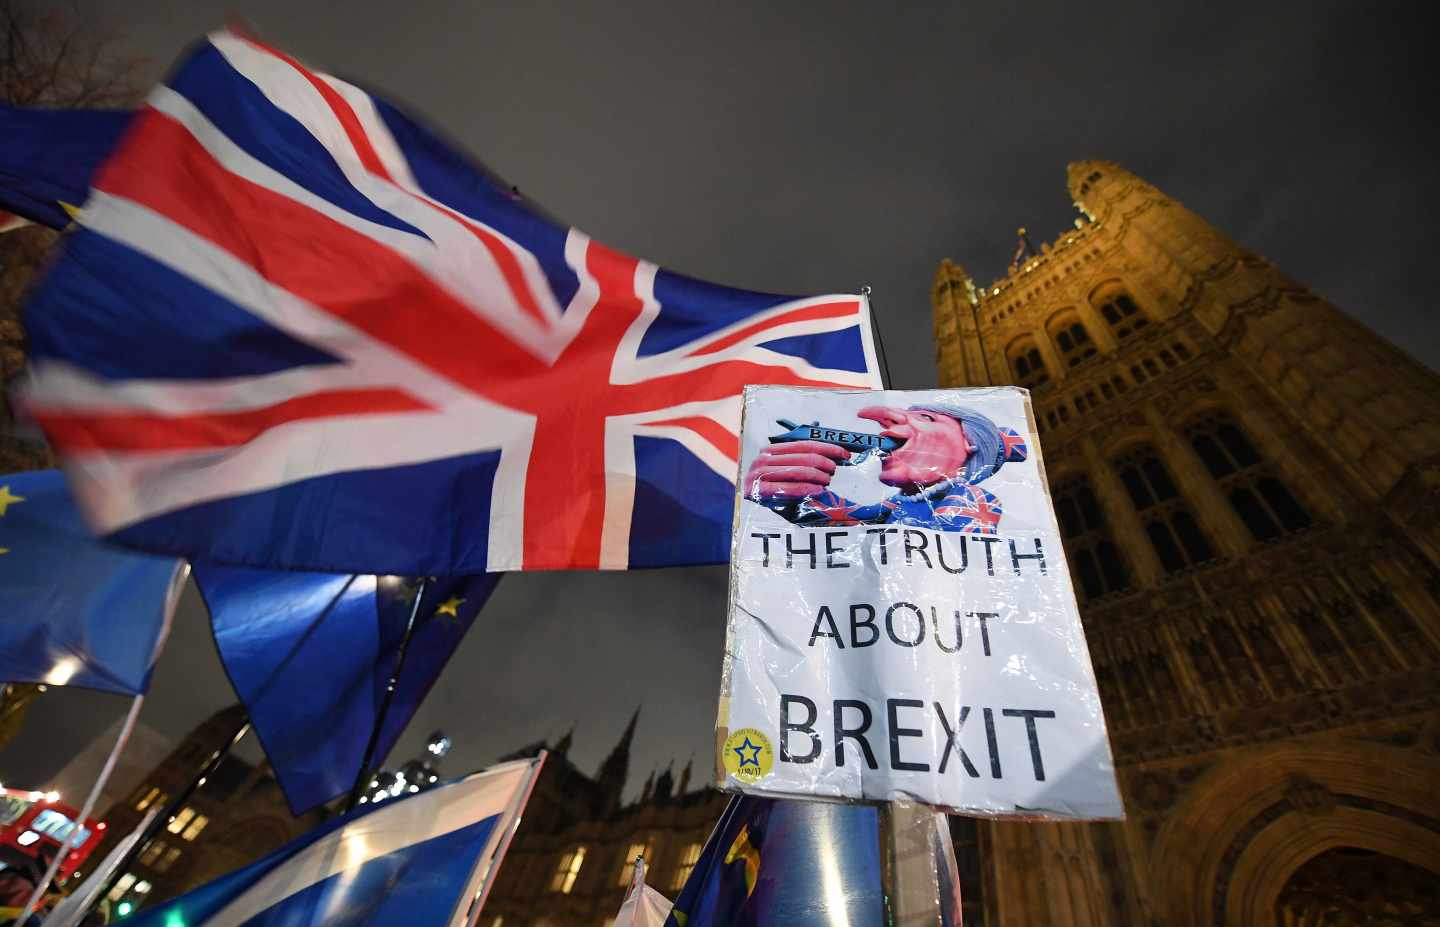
column 297, row 330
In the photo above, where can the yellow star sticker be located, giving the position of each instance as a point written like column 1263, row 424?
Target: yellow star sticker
column 450, row 607
column 7, row 498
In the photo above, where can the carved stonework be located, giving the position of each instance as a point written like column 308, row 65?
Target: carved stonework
column 1309, row 797
column 1299, row 599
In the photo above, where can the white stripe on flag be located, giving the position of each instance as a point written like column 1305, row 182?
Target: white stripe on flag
column 390, row 827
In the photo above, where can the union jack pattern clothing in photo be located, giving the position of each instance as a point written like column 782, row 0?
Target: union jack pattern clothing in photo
column 963, row 507
column 295, row 329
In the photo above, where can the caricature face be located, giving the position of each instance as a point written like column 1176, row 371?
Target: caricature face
column 934, row 446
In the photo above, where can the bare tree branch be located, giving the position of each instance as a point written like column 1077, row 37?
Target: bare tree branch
column 49, row 57
column 54, row 58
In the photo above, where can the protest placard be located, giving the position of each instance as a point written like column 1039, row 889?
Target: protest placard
column 902, row 622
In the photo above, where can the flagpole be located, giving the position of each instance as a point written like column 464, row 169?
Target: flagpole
column 885, row 380
column 176, row 803
column 364, row 772
column 517, row 804
column 68, row 843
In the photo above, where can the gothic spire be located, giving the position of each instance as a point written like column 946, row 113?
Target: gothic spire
column 563, row 745
column 685, row 776
column 665, row 783
column 613, row 772
column 649, row 788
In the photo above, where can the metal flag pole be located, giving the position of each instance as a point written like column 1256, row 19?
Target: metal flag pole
column 515, row 811
column 71, row 838
column 363, row 775
column 885, row 380
column 176, row 803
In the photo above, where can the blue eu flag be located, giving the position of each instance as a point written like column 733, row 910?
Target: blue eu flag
column 49, row 156
column 73, row 610
column 801, row 863
column 310, row 655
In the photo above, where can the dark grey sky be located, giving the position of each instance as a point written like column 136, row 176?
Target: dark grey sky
column 802, row 147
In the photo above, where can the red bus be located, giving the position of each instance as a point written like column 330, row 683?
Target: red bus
column 32, row 820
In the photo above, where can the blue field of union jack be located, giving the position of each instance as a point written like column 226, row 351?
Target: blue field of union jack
column 297, row 330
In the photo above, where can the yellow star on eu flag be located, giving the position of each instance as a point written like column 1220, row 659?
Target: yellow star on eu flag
column 450, row 607
column 7, row 499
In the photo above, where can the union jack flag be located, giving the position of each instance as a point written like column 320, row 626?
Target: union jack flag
column 971, row 510
column 295, row 329
column 1012, row 445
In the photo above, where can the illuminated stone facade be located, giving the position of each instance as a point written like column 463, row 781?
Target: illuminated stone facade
column 1249, row 485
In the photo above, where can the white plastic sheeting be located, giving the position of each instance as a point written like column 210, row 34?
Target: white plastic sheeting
column 902, row 624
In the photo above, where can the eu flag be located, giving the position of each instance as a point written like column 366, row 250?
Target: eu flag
column 49, row 156
column 310, row 654
column 73, row 610
column 799, row 863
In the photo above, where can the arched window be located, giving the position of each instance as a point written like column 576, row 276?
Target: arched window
column 1097, row 563
column 1121, row 313
column 1029, row 367
column 1071, row 339
column 1172, row 528
column 1263, row 503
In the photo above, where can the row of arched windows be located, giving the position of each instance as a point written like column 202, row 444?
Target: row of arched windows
column 1258, row 497
column 1250, row 483
column 1072, row 340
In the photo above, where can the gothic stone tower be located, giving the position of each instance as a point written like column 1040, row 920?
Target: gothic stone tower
column 1248, row 482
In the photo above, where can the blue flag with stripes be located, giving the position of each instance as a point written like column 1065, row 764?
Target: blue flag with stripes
column 421, row 860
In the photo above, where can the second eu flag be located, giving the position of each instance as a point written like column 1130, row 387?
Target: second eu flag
column 310, row 655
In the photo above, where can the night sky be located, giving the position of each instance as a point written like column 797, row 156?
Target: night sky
column 816, row 148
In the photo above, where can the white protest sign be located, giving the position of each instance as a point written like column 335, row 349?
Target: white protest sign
column 902, row 624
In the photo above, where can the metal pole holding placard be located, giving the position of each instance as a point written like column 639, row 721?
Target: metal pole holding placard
column 909, row 877
column 907, row 860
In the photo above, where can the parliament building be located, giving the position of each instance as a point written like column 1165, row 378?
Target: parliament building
column 1248, row 485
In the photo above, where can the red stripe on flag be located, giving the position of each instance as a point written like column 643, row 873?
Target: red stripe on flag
column 306, row 253
column 805, row 314
column 348, row 120
column 78, row 432
column 722, row 438
column 504, row 258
